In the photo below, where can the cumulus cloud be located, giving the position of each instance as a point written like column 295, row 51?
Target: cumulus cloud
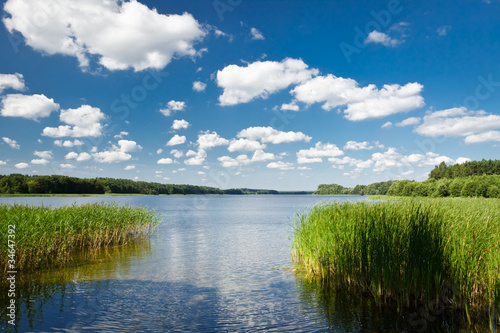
column 281, row 165
column 165, row 161
column 176, row 140
column 378, row 37
column 41, row 161
column 392, row 159
column 127, row 146
column 199, row 86
column 289, row 107
column 78, row 157
column 483, row 137
column 11, row 142
column 362, row 103
column 129, row 167
column 260, row 79
column 121, row 135
column 256, row 34
column 31, row 107
column 261, row 156
column 22, row 165
column 179, row 124
column 172, row 107
column 198, row 157
column 111, row 156
column 387, row 125
column 269, row 134
column 245, row 144
column 475, row 126
column 462, row 160
column 119, row 34
column 81, row 122
column 443, row 30
column 67, row 166
column 47, row 154
column 353, row 145
column 68, row 143
column 207, row 140
column 409, row 122
column 315, row 154
column 228, row 162
column 11, row 81
column 3, row 162
column 177, row 153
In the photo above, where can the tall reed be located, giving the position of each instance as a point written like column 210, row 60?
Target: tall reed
column 47, row 237
column 409, row 251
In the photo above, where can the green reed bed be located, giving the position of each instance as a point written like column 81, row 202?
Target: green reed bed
column 412, row 251
column 47, row 237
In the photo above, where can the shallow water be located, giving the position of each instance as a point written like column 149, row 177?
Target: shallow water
column 215, row 264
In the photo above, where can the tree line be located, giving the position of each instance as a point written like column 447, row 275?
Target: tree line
column 380, row 188
column 56, row 184
column 471, row 168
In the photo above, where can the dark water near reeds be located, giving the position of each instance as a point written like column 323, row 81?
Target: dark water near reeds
column 216, row 264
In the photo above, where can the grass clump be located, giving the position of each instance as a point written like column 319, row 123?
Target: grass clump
column 411, row 251
column 47, row 237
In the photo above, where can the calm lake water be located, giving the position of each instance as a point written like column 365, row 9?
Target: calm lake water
column 215, row 264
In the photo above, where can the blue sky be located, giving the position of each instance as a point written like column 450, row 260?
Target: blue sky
column 263, row 94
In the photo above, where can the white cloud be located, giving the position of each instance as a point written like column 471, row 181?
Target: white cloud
column 228, row 162
column 462, row 160
column 120, row 35
column 67, row 166
column 483, row 137
column 68, row 143
column 199, row 86
column 78, row 157
column 353, row 145
column 261, row 156
column 202, row 173
column 111, row 156
column 2, row 162
column 303, row 168
column 269, row 134
column 31, row 107
column 281, row 165
column 256, row 34
column 176, row 140
column 159, row 151
column 315, row 154
column 387, row 125
column 165, row 161
column 245, row 144
column 41, row 161
column 409, row 122
column 22, row 165
column 47, row 154
column 345, row 160
column 177, row 153
column 172, row 107
column 128, row 146
column 289, row 107
column 378, row 37
column 81, row 122
column 11, row 81
column 121, row 135
column 392, row 159
column 260, row 79
column 11, row 142
column 207, row 140
column 364, row 103
column 178, row 124
column 475, row 126
column 198, row 157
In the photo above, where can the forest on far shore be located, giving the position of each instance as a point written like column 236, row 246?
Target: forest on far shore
column 469, row 179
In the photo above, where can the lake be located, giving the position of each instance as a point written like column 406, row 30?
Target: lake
column 215, row 264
